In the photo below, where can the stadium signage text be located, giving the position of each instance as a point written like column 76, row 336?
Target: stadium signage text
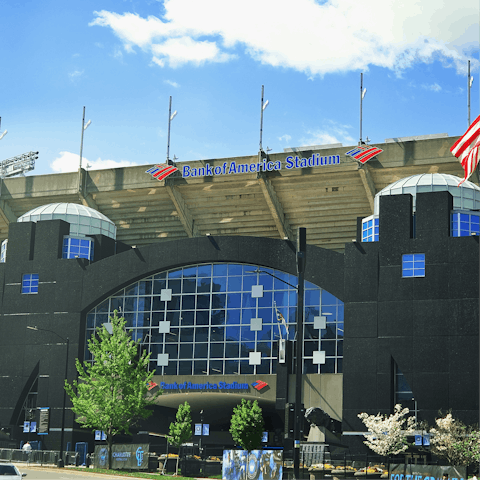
column 233, row 167
column 204, row 386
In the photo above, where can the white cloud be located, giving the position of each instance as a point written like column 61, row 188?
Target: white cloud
column 69, row 162
column 312, row 37
column 285, row 138
column 75, row 74
column 179, row 51
column 435, row 87
column 330, row 132
column 118, row 54
column 172, row 83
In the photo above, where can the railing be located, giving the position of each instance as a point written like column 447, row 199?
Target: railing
column 41, row 457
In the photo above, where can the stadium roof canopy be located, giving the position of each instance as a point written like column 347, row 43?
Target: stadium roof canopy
column 326, row 199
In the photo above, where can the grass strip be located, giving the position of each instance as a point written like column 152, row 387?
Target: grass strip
column 124, row 473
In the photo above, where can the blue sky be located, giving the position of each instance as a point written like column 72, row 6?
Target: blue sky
column 123, row 59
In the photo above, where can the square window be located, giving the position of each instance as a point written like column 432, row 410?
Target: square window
column 413, row 265
column 30, row 283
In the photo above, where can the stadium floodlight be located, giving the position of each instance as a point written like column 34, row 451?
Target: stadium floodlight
column 18, row 165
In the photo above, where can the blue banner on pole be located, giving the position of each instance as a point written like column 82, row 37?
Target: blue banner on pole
column 198, row 429
column 206, row 429
column 26, row 427
column 418, row 439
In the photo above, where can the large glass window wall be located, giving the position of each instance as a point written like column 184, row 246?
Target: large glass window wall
column 200, row 319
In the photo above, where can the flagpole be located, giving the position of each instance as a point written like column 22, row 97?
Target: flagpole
column 361, row 100
column 81, row 153
column 468, row 86
column 168, row 135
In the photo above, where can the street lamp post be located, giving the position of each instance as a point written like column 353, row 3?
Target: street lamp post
column 60, row 463
column 298, row 428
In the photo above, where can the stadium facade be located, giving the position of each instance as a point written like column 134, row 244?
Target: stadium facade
column 202, row 267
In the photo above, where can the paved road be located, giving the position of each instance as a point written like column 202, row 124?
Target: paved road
column 38, row 473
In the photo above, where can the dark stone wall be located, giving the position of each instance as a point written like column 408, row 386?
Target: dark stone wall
column 427, row 326
column 68, row 289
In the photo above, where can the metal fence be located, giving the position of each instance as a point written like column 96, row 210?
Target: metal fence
column 40, row 457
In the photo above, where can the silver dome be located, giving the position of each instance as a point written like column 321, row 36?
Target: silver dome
column 465, row 197
column 83, row 220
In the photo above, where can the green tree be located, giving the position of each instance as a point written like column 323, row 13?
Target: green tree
column 247, row 425
column 111, row 393
column 181, row 430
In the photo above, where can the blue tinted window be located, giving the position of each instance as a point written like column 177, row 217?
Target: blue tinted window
column 210, row 332
column 77, row 248
column 413, row 265
column 30, row 283
column 370, row 229
column 464, row 224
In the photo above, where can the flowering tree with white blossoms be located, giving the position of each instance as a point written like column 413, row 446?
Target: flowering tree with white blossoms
column 387, row 434
column 453, row 440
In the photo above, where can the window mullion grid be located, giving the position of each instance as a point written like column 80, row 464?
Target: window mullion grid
column 209, row 323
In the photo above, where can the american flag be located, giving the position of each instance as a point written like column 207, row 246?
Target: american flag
column 281, row 319
column 363, row 153
column 161, row 171
column 466, row 149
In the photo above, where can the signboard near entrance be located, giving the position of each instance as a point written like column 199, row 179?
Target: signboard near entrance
column 124, row 456
column 44, row 421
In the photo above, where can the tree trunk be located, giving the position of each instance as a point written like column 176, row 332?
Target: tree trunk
column 109, row 444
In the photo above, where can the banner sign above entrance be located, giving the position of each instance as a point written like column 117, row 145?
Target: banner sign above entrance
column 204, row 386
column 265, row 165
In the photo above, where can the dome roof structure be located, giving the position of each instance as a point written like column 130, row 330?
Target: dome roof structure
column 83, row 220
column 465, row 197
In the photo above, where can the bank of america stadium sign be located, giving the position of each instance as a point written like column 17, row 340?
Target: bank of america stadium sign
column 160, row 172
